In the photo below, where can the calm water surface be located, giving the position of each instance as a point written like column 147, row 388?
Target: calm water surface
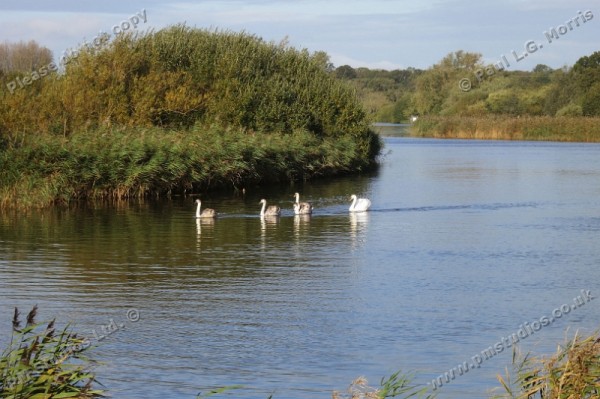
column 466, row 240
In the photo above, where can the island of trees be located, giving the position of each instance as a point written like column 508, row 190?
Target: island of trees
column 177, row 110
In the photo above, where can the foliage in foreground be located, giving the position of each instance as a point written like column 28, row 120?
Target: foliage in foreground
column 42, row 363
column 572, row 373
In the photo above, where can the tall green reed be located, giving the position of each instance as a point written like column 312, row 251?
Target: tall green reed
column 43, row 363
column 152, row 161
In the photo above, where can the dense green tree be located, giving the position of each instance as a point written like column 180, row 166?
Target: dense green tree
column 586, row 70
column 438, row 83
column 504, row 102
column 175, row 110
column 562, row 91
column 345, row 72
column 541, row 68
column 586, row 75
column 430, row 91
column 460, row 61
column 591, row 101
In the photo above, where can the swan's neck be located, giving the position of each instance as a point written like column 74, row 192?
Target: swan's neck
column 262, row 211
column 353, row 206
column 198, row 210
column 297, row 198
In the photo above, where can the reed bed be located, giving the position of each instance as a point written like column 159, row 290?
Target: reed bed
column 534, row 128
column 119, row 164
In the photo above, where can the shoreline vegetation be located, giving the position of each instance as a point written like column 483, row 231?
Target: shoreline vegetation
column 178, row 110
column 42, row 361
column 529, row 128
column 115, row 164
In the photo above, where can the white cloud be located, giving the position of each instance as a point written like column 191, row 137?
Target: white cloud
column 378, row 34
column 341, row 59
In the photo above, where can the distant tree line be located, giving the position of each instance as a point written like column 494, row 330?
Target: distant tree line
column 385, row 95
column 392, row 96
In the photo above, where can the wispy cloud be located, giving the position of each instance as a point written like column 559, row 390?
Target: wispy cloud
column 379, row 33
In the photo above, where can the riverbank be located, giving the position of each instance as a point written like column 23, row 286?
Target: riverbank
column 535, row 128
column 119, row 164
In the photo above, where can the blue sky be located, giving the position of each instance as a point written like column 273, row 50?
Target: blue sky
column 386, row 34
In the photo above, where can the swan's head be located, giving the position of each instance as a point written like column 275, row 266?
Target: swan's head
column 197, row 201
column 262, row 201
column 352, row 197
column 297, row 195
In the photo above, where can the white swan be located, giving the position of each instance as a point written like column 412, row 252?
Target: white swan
column 271, row 210
column 359, row 204
column 302, row 208
column 207, row 213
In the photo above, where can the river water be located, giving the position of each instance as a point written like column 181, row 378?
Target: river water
column 465, row 242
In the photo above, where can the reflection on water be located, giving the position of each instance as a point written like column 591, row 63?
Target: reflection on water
column 392, row 129
column 267, row 222
column 358, row 227
column 301, row 225
column 205, row 225
column 464, row 242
